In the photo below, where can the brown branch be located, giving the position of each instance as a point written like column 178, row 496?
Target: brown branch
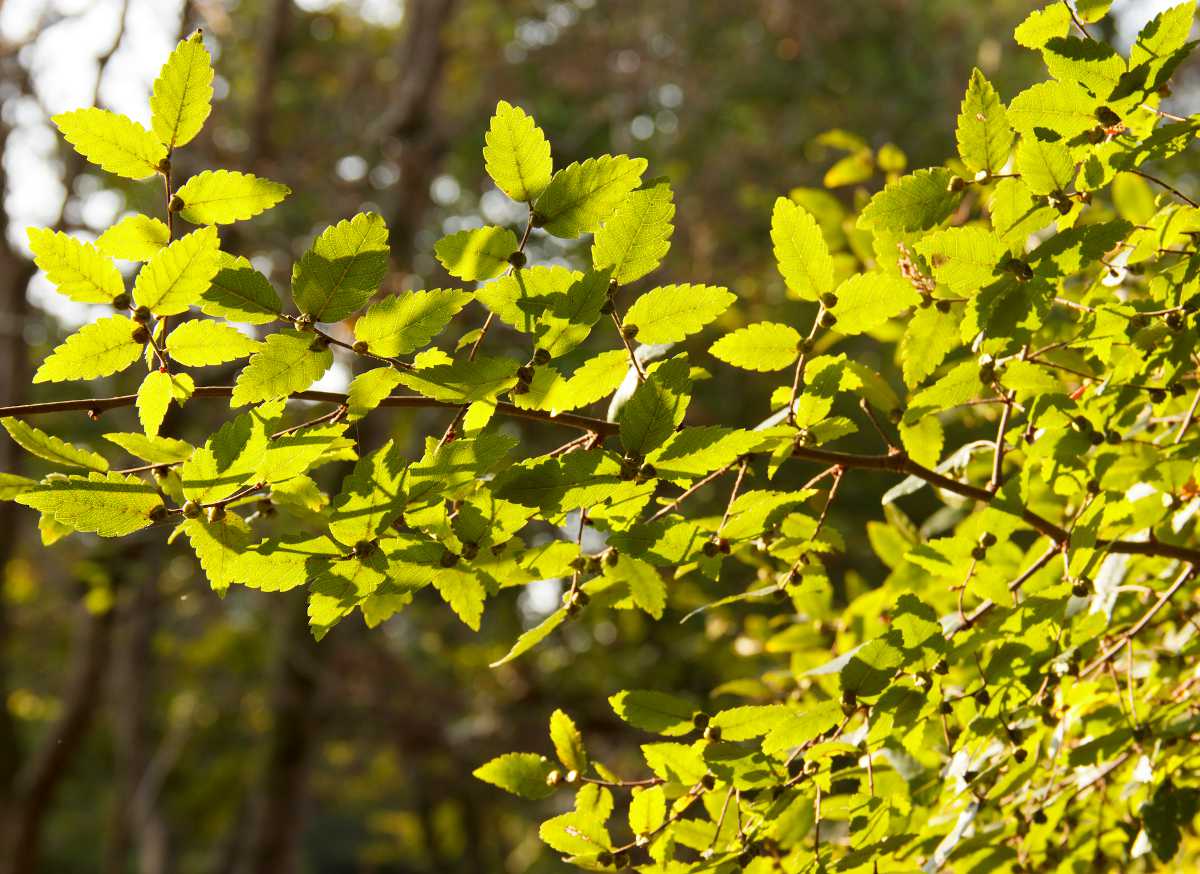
column 1186, row 574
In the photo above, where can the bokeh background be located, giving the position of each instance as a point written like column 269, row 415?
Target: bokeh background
column 145, row 724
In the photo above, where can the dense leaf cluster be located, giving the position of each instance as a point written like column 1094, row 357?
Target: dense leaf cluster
column 1014, row 695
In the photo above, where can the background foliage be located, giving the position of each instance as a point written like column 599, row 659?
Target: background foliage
column 214, row 734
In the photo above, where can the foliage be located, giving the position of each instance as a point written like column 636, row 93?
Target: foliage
column 966, row 712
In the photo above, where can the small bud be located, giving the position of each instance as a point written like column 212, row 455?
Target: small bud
column 1174, row 321
column 1157, row 395
column 849, row 702
column 1064, row 206
column 449, row 559
column 1096, row 438
column 979, row 552
column 1107, row 117
column 708, row 781
column 647, row 471
column 1097, row 135
column 141, row 314
column 191, row 509
column 941, row 667
column 1112, row 436
column 554, row 777
column 1093, row 487
column 987, row 539
column 163, row 166
column 1020, row 754
column 983, row 697
column 956, row 184
column 141, row 334
column 537, row 220
column 712, row 733
column 1177, row 390
column 710, row 548
column 1081, row 588
column 606, row 308
column 943, row 306
column 318, row 344
column 700, row 720
column 803, row 346
column 176, row 204
column 945, row 708
column 827, row 320
column 215, row 514
column 361, row 347
column 629, row 331
column 723, row 546
column 520, row 388
column 926, row 300
column 158, row 513
column 517, row 259
column 121, row 302
column 525, row 373
column 470, row 549
column 541, row 356
column 829, row 300
column 1039, row 817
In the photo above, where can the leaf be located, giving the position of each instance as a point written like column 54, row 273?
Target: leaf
column 1169, row 808
column 463, row 591
column 985, row 139
column 156, row 450
column 182, row 96
column 931, row 335
column 1094, row 65
column 221, row 197
column 867, row 300
column 108, row 504
column 290, row 455
column 478, row 254
column 153, row 398
column 97, row 349
column 520, row 299
column 800, row 250
column 176, row 277
column 568, row 743
column 568, row 318
column 199, row 343
column 802, row 726
column 77, row 270
column 656, row 408
column 1042, row 25
column 522, row 774
column 370, row 499
column 647, row 810
column 218, row 546
column 871, row 667
column 916, row 202
column 464, row 380
column 965, row 259
column 581, row 196
column 343, row 268
column 958, row 386
column 672, row 312
column 531, row 638
column 230, row 456
column 596, row 378
column 763, row 346
column 637, row 236
column 51, row 448
column 112, row 142
column 134, row 238
column 1061, row 107
column 755, row 720
column 286, row 363
column 368, row 389
column 404, row 323
column 517, row 154
column 1045, row 167
column 694, row 452
column 240, row 293
column 12, row 485
column 658, row 712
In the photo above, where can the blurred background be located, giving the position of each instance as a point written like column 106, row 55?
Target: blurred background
column 145, row 724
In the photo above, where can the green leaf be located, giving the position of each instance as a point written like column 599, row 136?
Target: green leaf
column 112, row 142
column 156, row 450
column 98, row 349
column 221, row 197
column 568, row 318
column 108, row 504
column 199, row 343
column 763, row 346
column 522, row 774
column 406, row 322
column 343, row 269
column 290, row 455
column 464, row 380
column 958, row 386
column 871, row 667
column 1169, row 808
column 800, row 250
column 1163, row 35
column 985, row 139
column 672, row 312
column 1042, row 25
column 637, row 236
column 153, row 398
column 664, row 714
column 596, row 378
column 965, row 259
column 531, row 638
column 580, row 197
column 1062, row 107
column 1044, row 166
column 647, row 810
column 558, row 485
column 931, row 335
column 802, row 726
column 240, row 293
column 754, row 720
column 219, row 546
column 463, row 591
column 134, row 238
column 51, row 448
column 520, row 299
column 694, row 452
column 478, row 254
column 568, row 743
column 1094, row 65
column 867, row 300
column 369, row 500
column 12, row 485
column 916, row 202
column 182, row 96
column 368, row 389
column 77, row 270
column 657, row 407
column 176, row 277
column 230, row 456
column 287, row 363
column 517, row 154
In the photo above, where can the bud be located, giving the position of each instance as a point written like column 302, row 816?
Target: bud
column 629, row 331
column 449, row 559
column 1107, row 117
column 712, row 733
column 176, row 204
column 215, row 514
column 612, row 557
column 361, row 347
column 141, row 314
column 956, row 184
column 318, row 344
column 525, row 373
column 141, row 334
column 191, row 509
column 606, row 308
column 541, row 356
column 943, row 306
column 121, row 301
column 829, row 300
column 828, row 319
column 517, row 259
column 158, row 513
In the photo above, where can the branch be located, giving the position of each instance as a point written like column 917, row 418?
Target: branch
column 99, row 405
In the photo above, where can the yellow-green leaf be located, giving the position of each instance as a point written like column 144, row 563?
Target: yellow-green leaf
column 111, row 505
column 112, row 142
column 134, row 238
column 199, row 343
column 477, row 254
column 800, row 250
column 53, row 449
column 517, row 154
column 176, row 277
column 221, row 197
column 77, row 270
column 97, row 349
column 182, row 96
column 343, row 269
column 763, row 346
column 288, row 362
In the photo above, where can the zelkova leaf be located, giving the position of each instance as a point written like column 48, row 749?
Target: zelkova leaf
column 647, row 810
column 867, row 300
column 219, row 545
column 672, row 312
column 930, row 336
column 230, row 456
column 763, row 346
column 368, row 389
column 659, row 712
column 112, row 142
column 404, row 323
column 76, row 269
column 50, row 448
column 581, row 196
column 568, row 318
column 522, row 774
column 1046, row 167
column 657, row 407
column 134, row 238
column 568, row 743
column 800, row 250
column 985, row 138
column 917, row 202
column 521, row 298
column 637, row 236
column 199, row 343
column 477, row 254
column 288, row 362
column 176, row 277
column 463, row 593
column 221, row 197
column 965, row 259
column 108, row 504
column 596, row 378
column 156, row 450
column 517, row 154
column 153, row 398
column 343, row 269
column 1062, row 107
column 182, row 97
column 240, row 293
column 97, row 349
column 464, row 380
